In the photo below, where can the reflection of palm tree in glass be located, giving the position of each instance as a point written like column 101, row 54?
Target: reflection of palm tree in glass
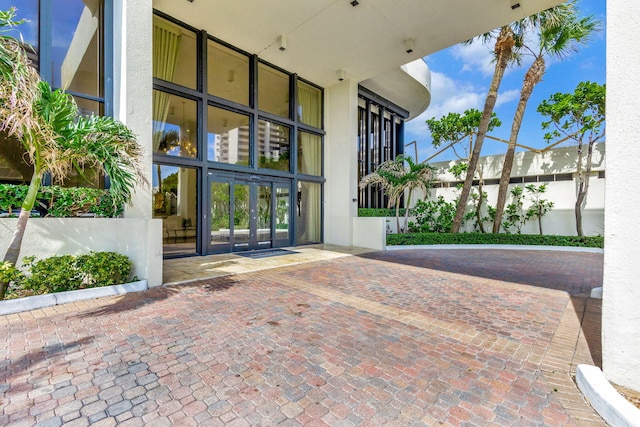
column 166, row 141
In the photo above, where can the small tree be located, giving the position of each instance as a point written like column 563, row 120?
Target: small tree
column 539, row 207
column 579, row 116
column 456, row 129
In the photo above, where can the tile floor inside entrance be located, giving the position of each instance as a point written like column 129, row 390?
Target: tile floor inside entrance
column 376, row 338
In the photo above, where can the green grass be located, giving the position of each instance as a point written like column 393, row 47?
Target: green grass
column 495, row 239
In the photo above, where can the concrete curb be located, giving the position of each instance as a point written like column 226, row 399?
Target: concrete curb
column 510, row 247
column 611, row 406
column 41, row 301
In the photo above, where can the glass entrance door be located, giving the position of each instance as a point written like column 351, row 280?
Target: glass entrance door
column 248, row 213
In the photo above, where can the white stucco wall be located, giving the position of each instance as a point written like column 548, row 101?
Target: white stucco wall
column 621, row 291
column 340, row 162
column 369, row 232
column 561, row 219
column 138, row 238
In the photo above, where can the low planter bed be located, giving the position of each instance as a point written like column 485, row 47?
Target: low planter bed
column 18, row 305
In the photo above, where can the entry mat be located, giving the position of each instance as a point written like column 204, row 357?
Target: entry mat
column 266, row 253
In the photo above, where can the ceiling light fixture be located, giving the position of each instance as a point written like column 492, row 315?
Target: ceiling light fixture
column 282, row 41
column 354, row 3
column 341, row 75
column 515, row 4
column 408, row 44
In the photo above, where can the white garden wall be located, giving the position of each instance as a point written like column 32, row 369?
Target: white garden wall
column 139, row 239
column 555, row 162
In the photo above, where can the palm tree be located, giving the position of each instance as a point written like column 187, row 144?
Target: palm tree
column 395, row 179
column 559, row 30
column 55, row 137
column 503, row 52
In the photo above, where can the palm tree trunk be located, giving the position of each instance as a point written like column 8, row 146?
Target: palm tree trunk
column 503, row 49
column 479, row 207
column 13, row 251
column 406, row 212
column 531, row 79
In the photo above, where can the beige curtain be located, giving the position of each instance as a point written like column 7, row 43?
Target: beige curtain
column 311, row 147
column 166, row 45
column 310, row 113
column 309, row 105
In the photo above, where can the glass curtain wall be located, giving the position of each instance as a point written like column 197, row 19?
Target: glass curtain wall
column 380, row 138
column 65, row 41
column 244, row 119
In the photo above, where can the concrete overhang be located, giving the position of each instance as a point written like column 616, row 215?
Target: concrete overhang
column 367, row 41
column 408, row 86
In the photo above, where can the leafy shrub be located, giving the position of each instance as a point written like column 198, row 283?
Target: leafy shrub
column 59, row 202
column 433, row 216
column 490, row 238
column 66, row 273
column 104, row 268
column 55, row 274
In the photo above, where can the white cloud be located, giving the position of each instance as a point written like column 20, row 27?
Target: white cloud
column 507, row 96
column 476, row 57
column 449, row 96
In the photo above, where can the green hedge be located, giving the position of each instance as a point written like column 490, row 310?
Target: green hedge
column 66, row 273
column 59, row 202
column 380, row 212
column 490, row 238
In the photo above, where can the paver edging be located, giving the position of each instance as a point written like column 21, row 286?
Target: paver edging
column 41, row 301
column 612, row 407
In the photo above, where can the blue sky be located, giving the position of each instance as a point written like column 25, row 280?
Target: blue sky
column 460, row 78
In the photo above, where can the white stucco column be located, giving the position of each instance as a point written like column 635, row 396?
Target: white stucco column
column 133, row 91
column 133, row 83
column 340, row 162
column 621, row 293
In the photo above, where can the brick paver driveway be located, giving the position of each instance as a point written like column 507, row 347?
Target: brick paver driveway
column 400, row 338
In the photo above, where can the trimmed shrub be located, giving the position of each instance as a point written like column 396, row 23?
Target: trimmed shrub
column 490, row 238
column 66, row 273
column 379, row 212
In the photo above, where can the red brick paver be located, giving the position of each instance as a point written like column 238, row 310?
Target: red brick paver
column 394, row 338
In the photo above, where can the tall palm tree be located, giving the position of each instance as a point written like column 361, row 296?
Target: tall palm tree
column 503, row 52
column 396, row 178
column 558, row 30
column 55, row 137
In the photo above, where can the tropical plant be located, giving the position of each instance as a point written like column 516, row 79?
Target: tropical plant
column 558, row 31
column 539, row 206
column 578, row 116
column 515, row 215
column 433, row 216
column 396, row 178
column 56, row 138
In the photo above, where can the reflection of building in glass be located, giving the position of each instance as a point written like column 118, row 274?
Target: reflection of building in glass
column 233, row 145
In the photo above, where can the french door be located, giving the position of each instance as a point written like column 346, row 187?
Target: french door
column 248, row 213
